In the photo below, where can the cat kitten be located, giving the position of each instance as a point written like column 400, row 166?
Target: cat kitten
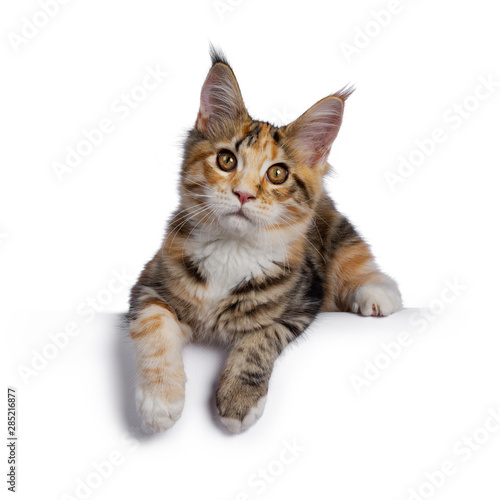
column 254, row 252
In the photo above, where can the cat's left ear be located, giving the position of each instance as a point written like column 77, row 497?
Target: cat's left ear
column 313, row 133
column 221, row 103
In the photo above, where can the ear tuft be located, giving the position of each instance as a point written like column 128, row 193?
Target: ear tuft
column 218, row 56
column 344, row 92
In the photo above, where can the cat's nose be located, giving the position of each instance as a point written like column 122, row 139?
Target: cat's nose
column 244, row 197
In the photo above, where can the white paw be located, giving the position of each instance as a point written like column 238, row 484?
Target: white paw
column 236, row 426
column 157, row 413
column 376, row 300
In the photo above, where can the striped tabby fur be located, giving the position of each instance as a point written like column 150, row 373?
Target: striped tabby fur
column 246, row 262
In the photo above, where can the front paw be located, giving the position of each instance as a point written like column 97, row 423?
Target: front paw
column 240, row 405
column 157, row 412
column 376, row 300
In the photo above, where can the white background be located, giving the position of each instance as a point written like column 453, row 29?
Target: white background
column 61, row 240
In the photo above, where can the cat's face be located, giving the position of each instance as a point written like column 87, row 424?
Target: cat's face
column 249, row 179
column 246, row 176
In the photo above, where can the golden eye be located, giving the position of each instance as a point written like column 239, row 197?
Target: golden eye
column 226, row 160
column 277, row 174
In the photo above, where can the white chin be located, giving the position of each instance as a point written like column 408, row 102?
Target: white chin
column 237, row 224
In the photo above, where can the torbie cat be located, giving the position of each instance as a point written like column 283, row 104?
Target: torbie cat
column 254, row 252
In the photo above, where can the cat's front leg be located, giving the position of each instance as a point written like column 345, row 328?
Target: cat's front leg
column 358, row 284
column 158, row 340
column 242, row 391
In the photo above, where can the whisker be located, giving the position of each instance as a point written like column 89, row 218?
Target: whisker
column 179, row 226
column 301, row 234
column 197, row 224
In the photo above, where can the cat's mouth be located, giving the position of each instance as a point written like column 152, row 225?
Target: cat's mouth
column 239, row 213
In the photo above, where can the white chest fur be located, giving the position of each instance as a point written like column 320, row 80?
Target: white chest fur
column 229, row 262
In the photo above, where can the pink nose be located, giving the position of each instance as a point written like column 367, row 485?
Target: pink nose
column 244, row 197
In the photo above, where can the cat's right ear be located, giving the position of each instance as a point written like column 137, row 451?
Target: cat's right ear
column 221, row 102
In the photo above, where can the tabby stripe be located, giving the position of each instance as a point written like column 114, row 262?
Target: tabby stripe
column 193, row 270
column 239, row 308
column 300, row 183
column 274, row 340
column 260, row 286
column 278, row 342
column 295, row 330
column 253, row 357
column 254, row 379
column 285, row 267
column 343, row 235
column 238, row 143
column 252, row 137
column 182, row 229
column 276, row 136
column 230, row 326
column 314, row 293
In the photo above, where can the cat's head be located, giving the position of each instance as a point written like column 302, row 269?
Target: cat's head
column 247, row 176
